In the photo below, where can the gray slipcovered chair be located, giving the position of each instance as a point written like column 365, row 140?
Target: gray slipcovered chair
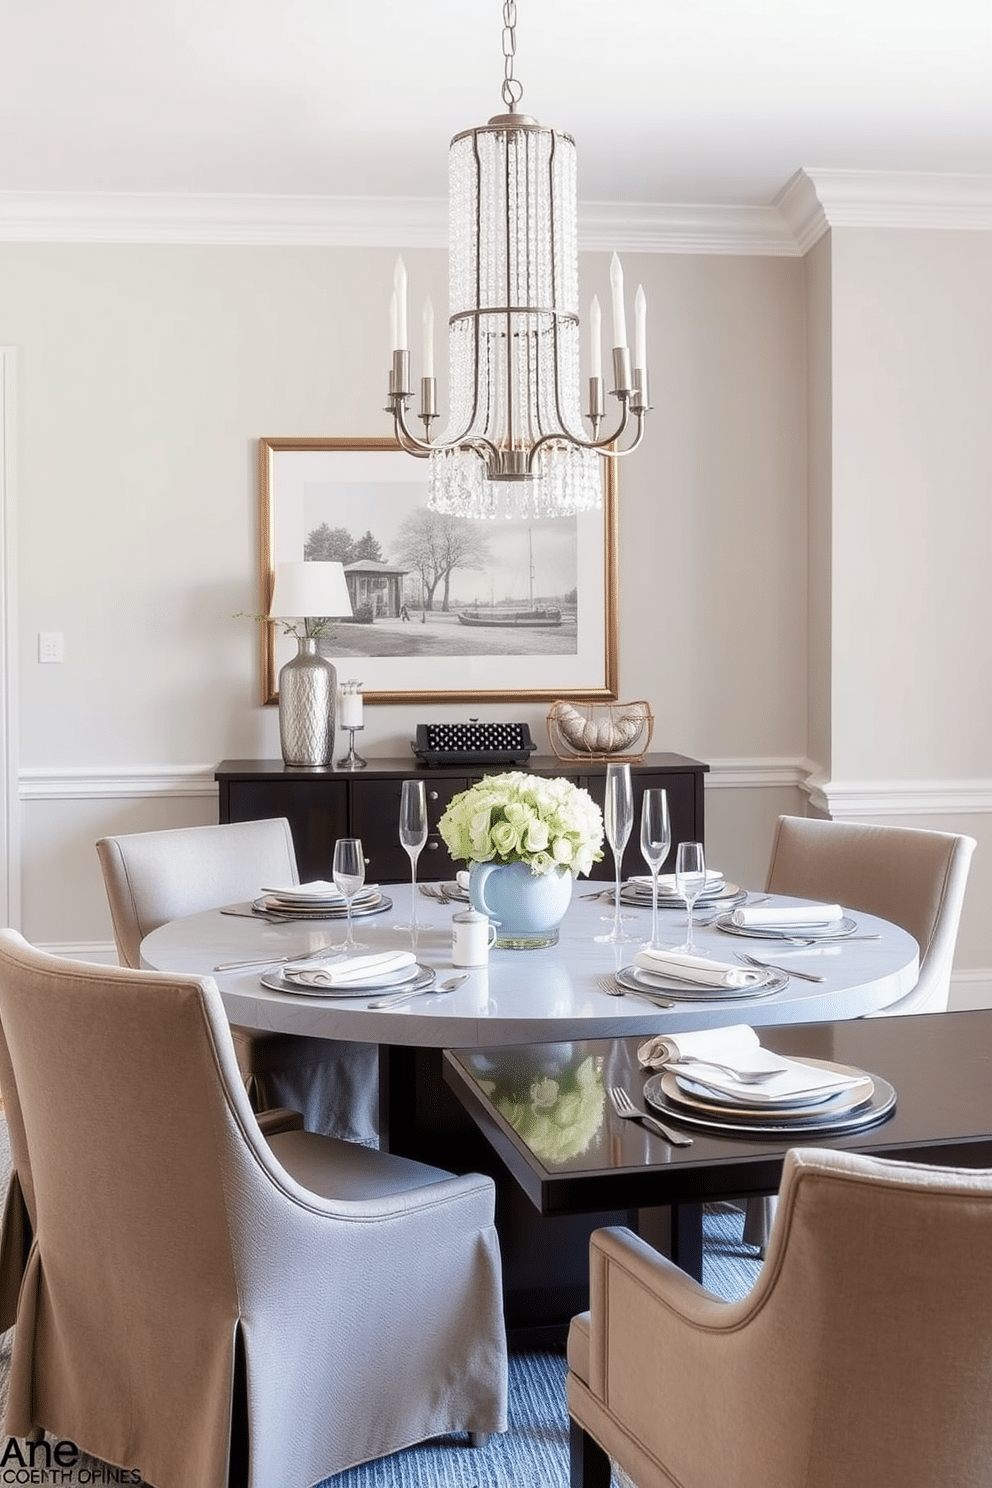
column 153, row 877
column 860, row 1357
column 202, row 1304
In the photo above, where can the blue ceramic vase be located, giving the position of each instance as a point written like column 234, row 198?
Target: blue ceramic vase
column 526, row 908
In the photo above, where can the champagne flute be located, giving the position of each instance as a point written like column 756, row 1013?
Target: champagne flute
column 413, row 835
column 618, row 819
column 656, row 840
column 690, row 880
column 348, row 873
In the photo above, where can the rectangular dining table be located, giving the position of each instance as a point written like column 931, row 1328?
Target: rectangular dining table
column 939, row 1064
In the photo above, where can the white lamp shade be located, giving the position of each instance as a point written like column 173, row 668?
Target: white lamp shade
column 305, row 591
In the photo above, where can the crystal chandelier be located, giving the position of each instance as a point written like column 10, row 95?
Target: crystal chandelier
column 516, row 444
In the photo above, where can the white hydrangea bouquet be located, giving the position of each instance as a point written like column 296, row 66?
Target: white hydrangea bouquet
column 524, row 818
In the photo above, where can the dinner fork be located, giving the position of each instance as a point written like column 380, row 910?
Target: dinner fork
column 790, row 971
column 435, row 891
column 742, row 1076
column 612, row 988
column 624, row 1106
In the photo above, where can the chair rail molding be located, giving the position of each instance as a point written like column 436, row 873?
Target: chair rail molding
column 115, row 782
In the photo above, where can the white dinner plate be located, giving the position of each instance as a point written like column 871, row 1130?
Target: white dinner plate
column 414, row 978
column 728, row 896
column 678, row 1087
column 337, row 911
column 635, row 980
column 823, row 1121
column 835, row 930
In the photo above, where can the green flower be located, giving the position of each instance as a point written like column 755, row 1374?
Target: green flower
column 523, row 818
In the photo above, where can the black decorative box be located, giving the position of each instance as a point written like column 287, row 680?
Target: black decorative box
column 473, row 743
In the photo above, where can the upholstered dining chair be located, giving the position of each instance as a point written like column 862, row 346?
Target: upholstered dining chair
column 153, row 877
column 860, row 1357
column 207, row 1306
column 914, row 878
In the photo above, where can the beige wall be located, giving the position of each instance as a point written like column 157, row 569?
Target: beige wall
column 146, row 376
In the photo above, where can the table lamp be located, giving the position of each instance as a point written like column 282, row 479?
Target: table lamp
column 310, row 595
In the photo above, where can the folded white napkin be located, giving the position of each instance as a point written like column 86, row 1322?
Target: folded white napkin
column 354, row 969
column 738, row 1045
column 667, row 885
column 809, row 914
column 695, row 969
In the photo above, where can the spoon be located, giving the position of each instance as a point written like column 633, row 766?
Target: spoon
column 398, row 997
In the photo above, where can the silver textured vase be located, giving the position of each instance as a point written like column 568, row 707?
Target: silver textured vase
column 307, row 697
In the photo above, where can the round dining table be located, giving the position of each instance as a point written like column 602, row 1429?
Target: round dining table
column 529, row 996
column 548, row 996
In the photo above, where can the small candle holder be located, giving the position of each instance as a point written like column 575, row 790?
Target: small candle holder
column 351, row 760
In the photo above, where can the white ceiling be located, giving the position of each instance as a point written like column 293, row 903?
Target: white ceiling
column 670, row 101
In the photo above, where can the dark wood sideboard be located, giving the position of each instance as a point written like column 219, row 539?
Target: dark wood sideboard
column 325, row 804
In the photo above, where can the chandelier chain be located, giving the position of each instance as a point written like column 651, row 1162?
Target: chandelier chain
column 512, row 91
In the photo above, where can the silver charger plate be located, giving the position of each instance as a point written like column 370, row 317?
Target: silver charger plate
column 323, row 912
column 837, row 930
column 640, row 894
column 678, row 1087
column 412, row 978
column 827, row 1122
column 631, row 978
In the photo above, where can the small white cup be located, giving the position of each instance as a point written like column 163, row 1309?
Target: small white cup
column 472, row 935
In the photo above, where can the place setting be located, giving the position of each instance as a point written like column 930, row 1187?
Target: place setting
column 319, row 900
column 354, row 976
column 793, row 924
column 722, row 1080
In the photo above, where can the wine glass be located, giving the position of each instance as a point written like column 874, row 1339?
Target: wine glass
column 656, row 839
column 690, row 880
column 413, row 835
column 618, row 819
column 348, row 873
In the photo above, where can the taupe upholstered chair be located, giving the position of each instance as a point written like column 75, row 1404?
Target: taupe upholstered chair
column 914, row 878
column 153, row 877
column 201, row 1304
column 861, row 1356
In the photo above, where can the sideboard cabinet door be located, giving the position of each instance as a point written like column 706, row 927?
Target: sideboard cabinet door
column 375, row 818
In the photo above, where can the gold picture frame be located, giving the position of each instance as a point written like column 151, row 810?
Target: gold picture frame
column 412, row 639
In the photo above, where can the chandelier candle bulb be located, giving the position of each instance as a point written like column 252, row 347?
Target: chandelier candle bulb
column 595, row 339
column 619, row 314
column 399, row 289
column 428, row 339
column 640, row 330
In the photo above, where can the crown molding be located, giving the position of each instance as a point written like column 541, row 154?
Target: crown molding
column 365, row 222
column 819, row 198
column 814, row 200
